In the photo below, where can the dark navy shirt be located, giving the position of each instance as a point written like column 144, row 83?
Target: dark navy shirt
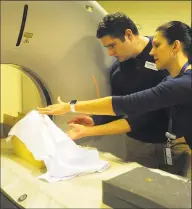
column 132, row 76
column 175, row 94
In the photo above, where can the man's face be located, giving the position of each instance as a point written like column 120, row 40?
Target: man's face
column 117, row 48
column 161, row 51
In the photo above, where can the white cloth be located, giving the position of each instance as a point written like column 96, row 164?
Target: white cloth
column 47, row 142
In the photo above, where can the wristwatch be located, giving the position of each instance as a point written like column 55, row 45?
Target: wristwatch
column 72, row 105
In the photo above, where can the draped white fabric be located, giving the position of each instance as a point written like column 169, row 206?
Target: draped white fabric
column 47, row 142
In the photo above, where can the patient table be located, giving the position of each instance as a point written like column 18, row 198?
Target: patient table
column 20, row 185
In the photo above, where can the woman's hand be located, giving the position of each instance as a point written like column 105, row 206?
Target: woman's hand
column 55, row 109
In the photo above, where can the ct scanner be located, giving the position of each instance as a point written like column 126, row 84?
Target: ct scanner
column 55, row 44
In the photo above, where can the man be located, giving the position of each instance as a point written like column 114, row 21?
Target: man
column 147, row 145
column 133, row 71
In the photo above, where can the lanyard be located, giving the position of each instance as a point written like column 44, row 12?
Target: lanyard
column 184, row 67
column 169, row 134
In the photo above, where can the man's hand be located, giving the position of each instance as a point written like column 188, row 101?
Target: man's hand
column 82, row 120
column 55, row 109
column 77, row 131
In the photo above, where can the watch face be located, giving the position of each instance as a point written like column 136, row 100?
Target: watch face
column 73, row 102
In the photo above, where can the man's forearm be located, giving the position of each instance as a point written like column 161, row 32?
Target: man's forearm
column 116, row 127
column 101, row 106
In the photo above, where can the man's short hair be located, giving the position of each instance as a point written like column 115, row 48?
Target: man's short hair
column 115, row 25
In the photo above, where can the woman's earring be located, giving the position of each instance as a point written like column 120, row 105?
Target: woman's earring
column 173, row 55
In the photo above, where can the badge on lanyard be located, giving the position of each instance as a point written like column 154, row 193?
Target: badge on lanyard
column 167, row 153
column 167, row 149
column 169, row 135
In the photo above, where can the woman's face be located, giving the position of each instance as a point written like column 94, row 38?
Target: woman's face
column 161, row 51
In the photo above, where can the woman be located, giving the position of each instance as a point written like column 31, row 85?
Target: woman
column 172, row 50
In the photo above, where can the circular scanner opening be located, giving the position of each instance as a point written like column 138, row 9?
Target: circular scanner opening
column 21, row 92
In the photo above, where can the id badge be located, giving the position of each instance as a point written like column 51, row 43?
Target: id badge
column 167, row 154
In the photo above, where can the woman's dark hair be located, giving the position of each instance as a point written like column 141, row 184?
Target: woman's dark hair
column 176, row 30
column 115, row 25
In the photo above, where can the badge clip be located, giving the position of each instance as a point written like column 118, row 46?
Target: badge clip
column 167, row 151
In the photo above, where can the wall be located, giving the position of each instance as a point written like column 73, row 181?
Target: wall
column 150, row 14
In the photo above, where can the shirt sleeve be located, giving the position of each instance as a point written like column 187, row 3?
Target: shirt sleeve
column 103, row 119
column 144, row 121
column 188, row 139
column 168, row 93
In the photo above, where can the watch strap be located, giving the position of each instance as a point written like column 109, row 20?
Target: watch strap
column 72, row 105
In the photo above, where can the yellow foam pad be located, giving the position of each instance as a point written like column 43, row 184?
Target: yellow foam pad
column 21, row 150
